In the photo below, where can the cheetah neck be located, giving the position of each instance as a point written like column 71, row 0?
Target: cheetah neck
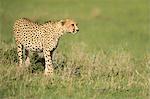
column 54, row 29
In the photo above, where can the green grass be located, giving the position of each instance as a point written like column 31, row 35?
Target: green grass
column 109, row 58
column 114, row 74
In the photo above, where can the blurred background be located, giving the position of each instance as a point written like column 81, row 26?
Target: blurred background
column 104, row 24
column 108, row 58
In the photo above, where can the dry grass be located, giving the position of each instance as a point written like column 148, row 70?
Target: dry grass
column 77, row 74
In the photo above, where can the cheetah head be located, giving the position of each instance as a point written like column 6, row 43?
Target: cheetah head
column 70, row 26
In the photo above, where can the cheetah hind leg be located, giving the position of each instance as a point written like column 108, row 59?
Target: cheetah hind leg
column 20, row 54
column 27, row 61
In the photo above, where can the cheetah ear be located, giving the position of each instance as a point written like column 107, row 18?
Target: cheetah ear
column 62, row 22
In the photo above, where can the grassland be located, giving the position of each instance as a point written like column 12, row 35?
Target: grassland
column 108, row 59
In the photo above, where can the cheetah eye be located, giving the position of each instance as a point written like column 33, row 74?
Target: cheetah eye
column 72, row 24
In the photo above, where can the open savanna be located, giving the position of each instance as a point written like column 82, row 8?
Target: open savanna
column 108, row 59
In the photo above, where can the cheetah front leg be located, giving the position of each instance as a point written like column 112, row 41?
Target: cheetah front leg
column 27, row 61
column 48, row 63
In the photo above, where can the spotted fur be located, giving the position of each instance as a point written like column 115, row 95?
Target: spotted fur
column 40, row 38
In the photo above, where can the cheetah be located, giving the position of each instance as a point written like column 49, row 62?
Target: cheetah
column 44, row 38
